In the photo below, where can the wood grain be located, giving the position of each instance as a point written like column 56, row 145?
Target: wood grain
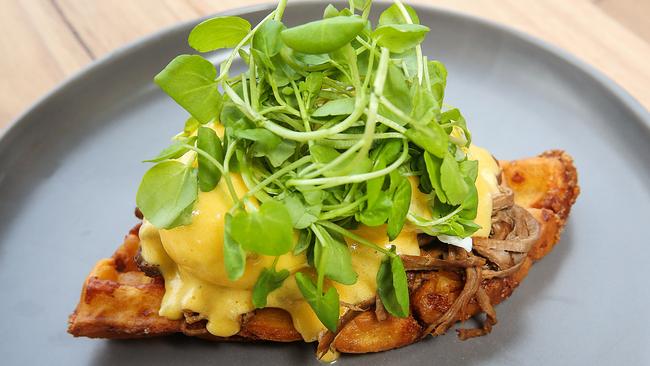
column 48, row 40
column 632, row 14
column 37, row 51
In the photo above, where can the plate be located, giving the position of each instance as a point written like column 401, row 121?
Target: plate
column 70, row 166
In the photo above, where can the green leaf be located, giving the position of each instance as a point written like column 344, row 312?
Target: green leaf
column 305, row 239
column 392, row 285
column 470, row 204
column 438, row 79
column 393, row 15
column 268, row 144
column 332, row 257
column 191, row 125
column 384, row 156
column 314, row 197
column 231, row 116
column 433, row 165
column 267, row 38
column 261, row 136
column 323, row 36
column 330, row 11
column 469, row 169
column 400, row 205
column 279, row 154
column 378, row 213
column 323, row 154
column 209, row 174
column 424, row 105
column 166, row 192
column 234, row 256
column 312, row 60
column 336, row 107
column 452, row 181
column 189, row 80
column 268, row 281
column 399, row 37
column 301, row 216
column 326, row 306
column 361, row 4
column 218, row 32
column 431, row 137
column 313, row 83
column 455, row 118
column 173, row 151
column 267, row 231
column 396, row 90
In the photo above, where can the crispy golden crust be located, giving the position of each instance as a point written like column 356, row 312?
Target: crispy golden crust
column 120, row 301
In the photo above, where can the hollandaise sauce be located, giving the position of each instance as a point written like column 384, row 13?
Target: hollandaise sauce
column 191, row 259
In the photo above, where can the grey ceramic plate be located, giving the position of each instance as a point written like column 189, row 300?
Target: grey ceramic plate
column 70, row 166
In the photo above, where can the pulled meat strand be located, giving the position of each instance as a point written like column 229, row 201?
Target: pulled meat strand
column 490, row 317
column 380, row 310
column 514, row 232
column 507, row 251
column 503, row 200
column 427, row 263
column 472, row 284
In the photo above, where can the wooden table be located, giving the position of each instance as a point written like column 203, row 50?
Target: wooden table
column 45, row 41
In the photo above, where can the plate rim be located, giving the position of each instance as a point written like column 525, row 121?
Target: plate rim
column 22, row 125
column 622, row 96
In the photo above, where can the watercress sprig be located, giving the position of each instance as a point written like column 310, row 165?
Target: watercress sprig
column 329, row 127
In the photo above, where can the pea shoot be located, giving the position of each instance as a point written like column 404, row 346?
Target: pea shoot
column 326, row 127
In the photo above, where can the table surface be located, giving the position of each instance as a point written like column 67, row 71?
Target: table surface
column 47, row 41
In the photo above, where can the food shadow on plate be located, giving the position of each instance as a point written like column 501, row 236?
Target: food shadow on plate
column 179, row 349
column 493, row 347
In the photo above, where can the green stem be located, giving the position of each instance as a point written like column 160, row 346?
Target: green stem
column 390, row 123
column 418, row 48
column 224, row 172
column 322, row 260
column 296, row 164
column 244, row 87
column 355, row 237
column 323, row 183
column 279, row 11
column 290, row 134
column 340, row 211
column 393, row 108
column 419, row 221
column 226, row 66
column 334, row 163
column 376, row 136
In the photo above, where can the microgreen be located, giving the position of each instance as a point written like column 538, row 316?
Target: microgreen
column 332, row 257
column 324, row 126
column 325, row 305
column 218, row 32
column 174, row 151
column 233, row 254
column 393, row 15
column 401, row 200
column 189, row 80
column 392, row 285
column 323, row 36
column 166, row 192
column 268, row 281
column 400, row 37
column 209, row 175
column 273, row 220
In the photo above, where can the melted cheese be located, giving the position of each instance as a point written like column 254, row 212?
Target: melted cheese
column 190, row 258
